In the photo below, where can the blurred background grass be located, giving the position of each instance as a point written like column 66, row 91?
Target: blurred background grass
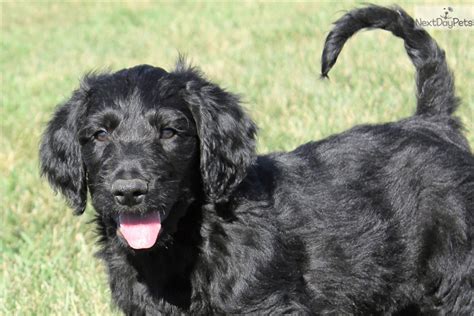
column 267, row 52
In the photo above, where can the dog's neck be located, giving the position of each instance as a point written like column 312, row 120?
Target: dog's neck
column 166, row 269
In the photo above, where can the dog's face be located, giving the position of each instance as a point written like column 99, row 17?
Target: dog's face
column 147, row 143
column 141, row 153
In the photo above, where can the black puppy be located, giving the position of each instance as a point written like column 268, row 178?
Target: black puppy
column 376, row 220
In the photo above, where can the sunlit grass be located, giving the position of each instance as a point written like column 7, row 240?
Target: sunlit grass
column 267, row 52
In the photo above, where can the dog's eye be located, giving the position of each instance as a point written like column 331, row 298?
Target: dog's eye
column 167, row 133
column 101, row 135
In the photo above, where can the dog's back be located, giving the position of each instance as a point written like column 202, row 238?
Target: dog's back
column 386, row 211
column 386, row 217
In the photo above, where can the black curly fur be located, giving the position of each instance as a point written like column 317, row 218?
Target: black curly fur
column 435, row 84
column 376, row 220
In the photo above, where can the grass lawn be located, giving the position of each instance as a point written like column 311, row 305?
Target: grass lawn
column 267, row 52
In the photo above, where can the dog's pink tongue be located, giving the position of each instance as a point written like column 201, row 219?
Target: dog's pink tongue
column 140, row 231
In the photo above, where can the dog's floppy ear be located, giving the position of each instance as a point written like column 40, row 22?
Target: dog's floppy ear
column 60, row 154
column 226, row 135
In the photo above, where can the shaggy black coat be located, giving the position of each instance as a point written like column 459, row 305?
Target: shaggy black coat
column 376, row 220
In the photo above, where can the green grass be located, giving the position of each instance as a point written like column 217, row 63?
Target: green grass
column 269, row 53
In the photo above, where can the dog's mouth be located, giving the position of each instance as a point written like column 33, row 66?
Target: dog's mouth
column 140, row 230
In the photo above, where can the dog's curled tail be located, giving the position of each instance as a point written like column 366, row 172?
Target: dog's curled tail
column 434, row 81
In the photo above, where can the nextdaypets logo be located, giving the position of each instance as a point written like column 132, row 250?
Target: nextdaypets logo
column 445, row 17
column 446, row 13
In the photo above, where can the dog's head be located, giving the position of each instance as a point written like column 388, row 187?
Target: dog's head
column 146, row 143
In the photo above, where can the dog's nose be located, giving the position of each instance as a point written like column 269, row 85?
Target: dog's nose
column 129, row 192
